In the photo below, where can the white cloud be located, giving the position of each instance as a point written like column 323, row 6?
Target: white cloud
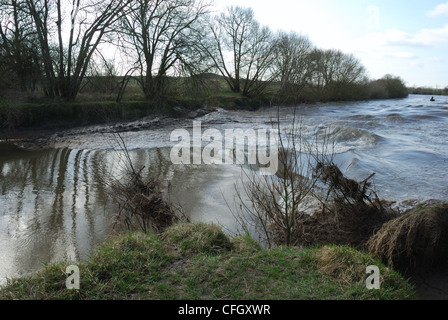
column 433, row 36
column 395, row 38
column 398, row 37
column 399, row 54
column 433, row 59
column 440, row 10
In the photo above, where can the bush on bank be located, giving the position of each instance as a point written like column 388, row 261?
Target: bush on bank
column 198, row 261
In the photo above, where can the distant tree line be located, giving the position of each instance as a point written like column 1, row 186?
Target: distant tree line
column 57, row 46
column 428, row 91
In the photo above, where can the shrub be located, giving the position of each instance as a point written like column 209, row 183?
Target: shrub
column 388, row 87
column 141, row 202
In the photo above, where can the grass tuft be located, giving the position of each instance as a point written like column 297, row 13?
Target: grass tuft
column 198, row 261
column 197, row 238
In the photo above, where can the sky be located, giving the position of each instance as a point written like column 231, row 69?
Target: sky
column 405, row 38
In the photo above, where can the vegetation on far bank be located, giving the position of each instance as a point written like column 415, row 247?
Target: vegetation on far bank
column 198, row 261
column 95, row 105
column 58, row 72
column 428, row 91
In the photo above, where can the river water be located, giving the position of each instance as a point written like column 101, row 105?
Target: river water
column 54, row 205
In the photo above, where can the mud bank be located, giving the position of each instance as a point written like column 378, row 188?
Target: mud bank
column 38, row 137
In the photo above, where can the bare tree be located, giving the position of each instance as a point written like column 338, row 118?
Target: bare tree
column 88, row 26
column 276, row 202
column 334, row 72
column 40, row 11
column 102, row 77
column 292, row 62
column 19, row 54
column 240, row 49
column 85, row 24
column 156, row 32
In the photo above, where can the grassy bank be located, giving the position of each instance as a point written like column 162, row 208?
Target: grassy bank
column 198, row 261
column 63, row 115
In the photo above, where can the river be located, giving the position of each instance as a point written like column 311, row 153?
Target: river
column 54, row 205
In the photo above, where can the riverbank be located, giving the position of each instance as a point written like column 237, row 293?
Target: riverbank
column 21, row 119
column 31, row 124
column 26, row 120
column 199, row 262
column 80, row 156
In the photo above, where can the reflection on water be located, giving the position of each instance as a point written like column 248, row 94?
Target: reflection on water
column 52, row 209
column 54, row 204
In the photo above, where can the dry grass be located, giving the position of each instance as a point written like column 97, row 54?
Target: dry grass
column 335, row 262
column 415, row 241
column 344, row 227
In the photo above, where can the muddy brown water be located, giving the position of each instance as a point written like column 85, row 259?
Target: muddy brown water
column 56, row 203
